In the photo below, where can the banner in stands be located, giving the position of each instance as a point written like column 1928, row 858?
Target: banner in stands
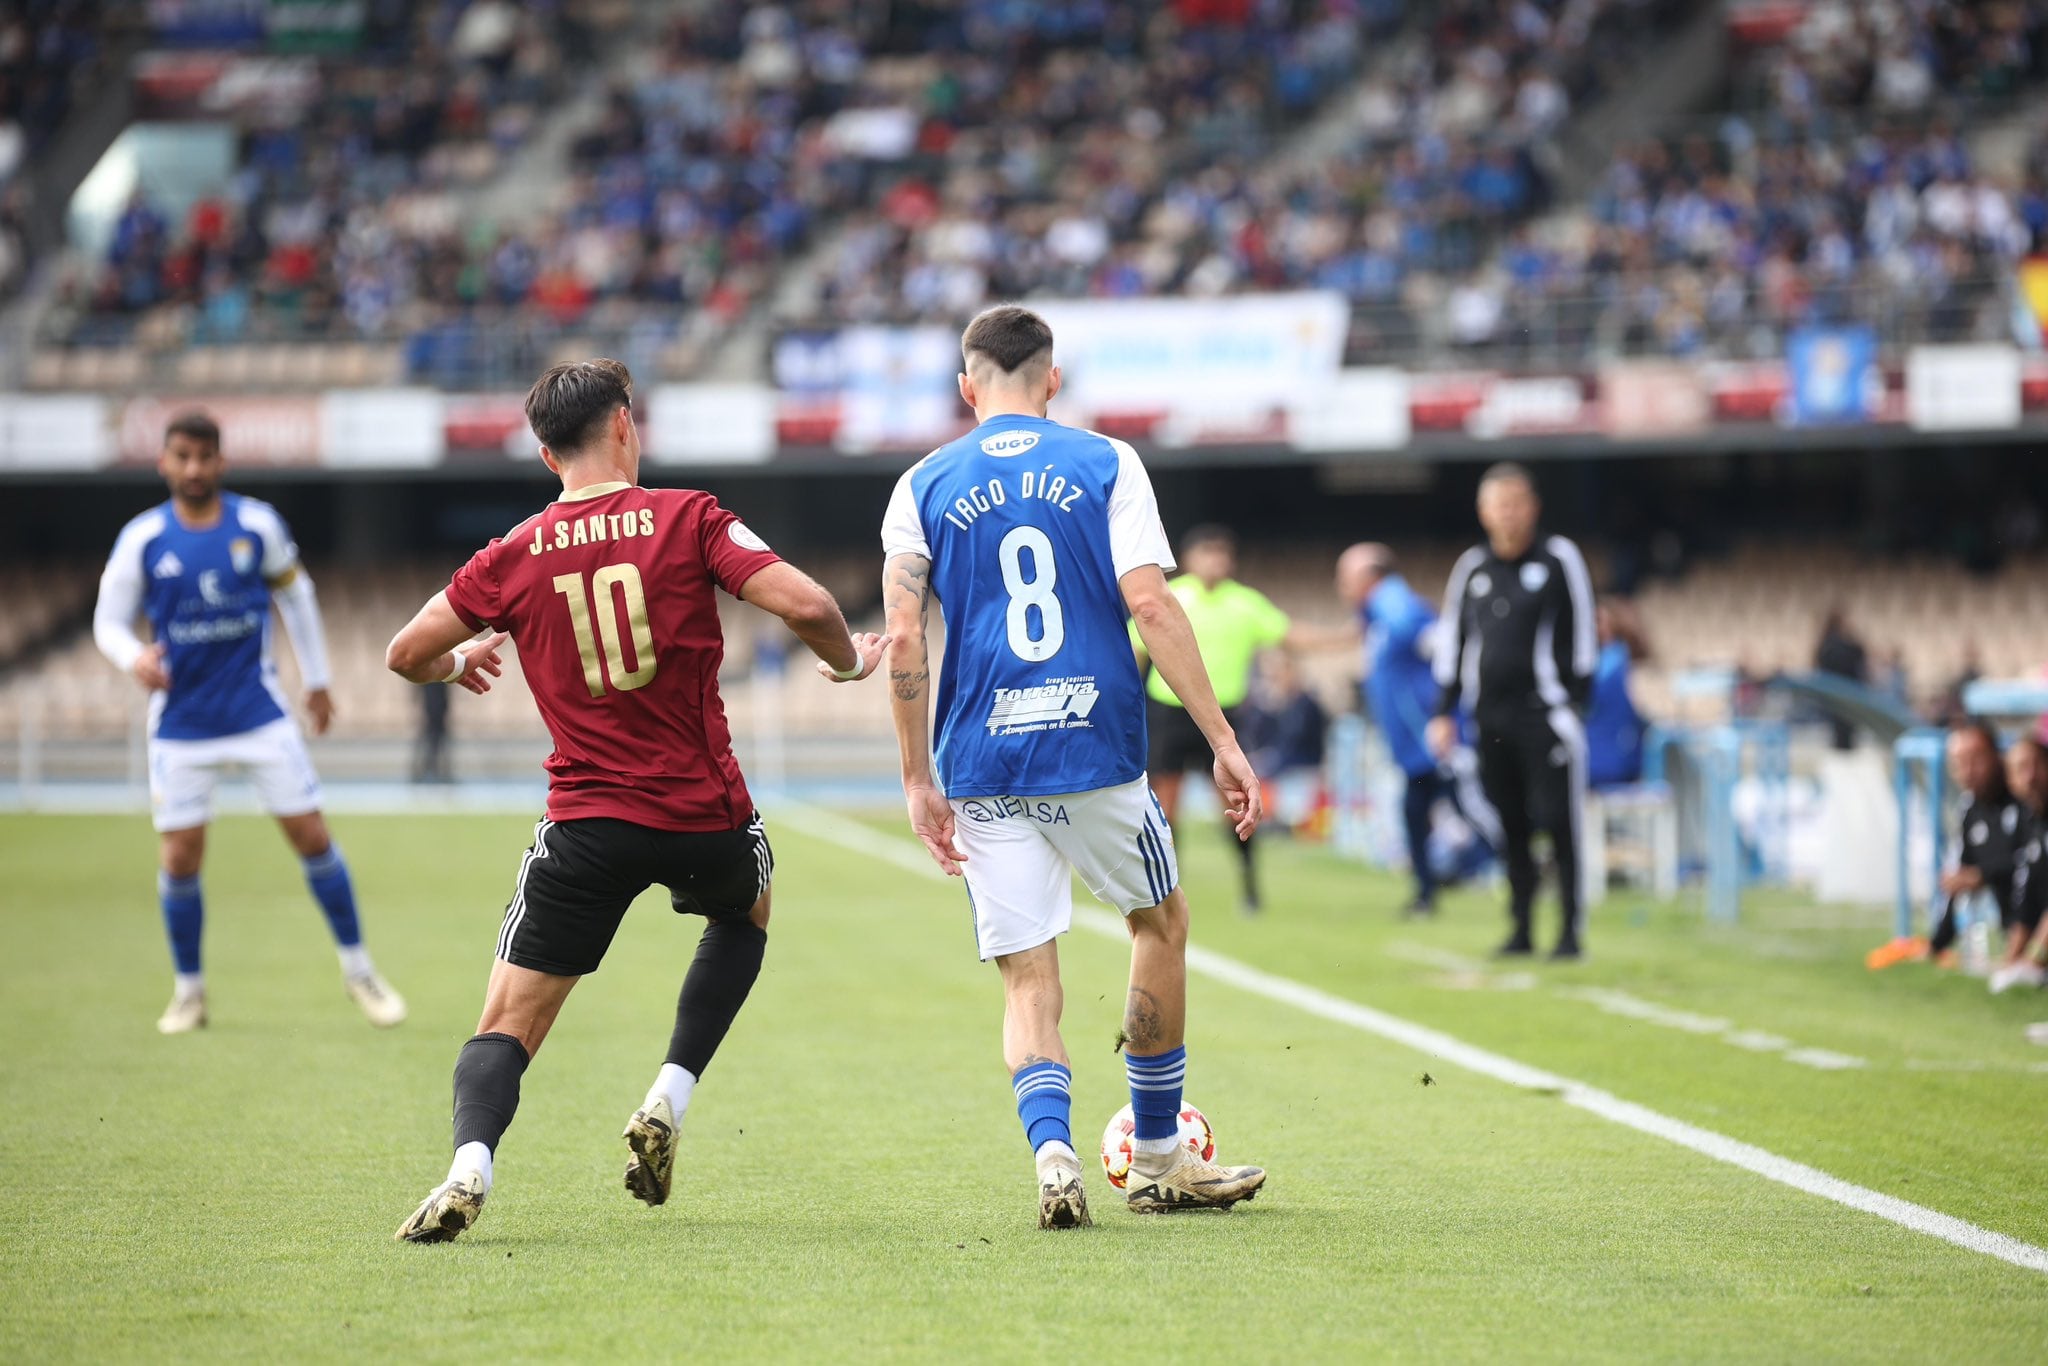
column 1834, row 376
column 253, row 431
column 1653, row 400
column 1962, row 388
column 382, row 429
column 54, row 432
column 1225, row 359
column 865, row 389
column 1362, row 410
column 710, row 424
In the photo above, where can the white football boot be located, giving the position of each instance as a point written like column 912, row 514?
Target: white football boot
column 382, row 1006
column 2020, row 974
column 185, row 1013
column 1062, row 1198
column 1185, row 1182
column 453, row 1207
column 651, row 1135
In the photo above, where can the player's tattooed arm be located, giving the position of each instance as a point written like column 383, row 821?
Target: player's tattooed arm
column 907, row 596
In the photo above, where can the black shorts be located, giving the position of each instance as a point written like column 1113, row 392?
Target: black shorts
column 579, row 877
column 1176, row 744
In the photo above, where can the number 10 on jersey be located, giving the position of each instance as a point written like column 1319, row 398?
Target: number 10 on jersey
column 625, row 577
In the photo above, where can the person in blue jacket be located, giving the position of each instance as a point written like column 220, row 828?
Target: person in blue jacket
column 1614, row 729
column 1401, row 693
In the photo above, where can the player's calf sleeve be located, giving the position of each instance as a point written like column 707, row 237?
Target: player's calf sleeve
column 327, row 876
column 1045, row 1103
column 184, row 917
column 487, row 1074
column 1155, row 1096
column 723, row 972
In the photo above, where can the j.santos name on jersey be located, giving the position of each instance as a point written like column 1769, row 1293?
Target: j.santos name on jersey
column 1041, row 485
column 598, row 526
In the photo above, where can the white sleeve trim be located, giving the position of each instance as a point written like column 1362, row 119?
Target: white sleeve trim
column 1451, row 620
column 300, row 608
column 1585, row 635
column 120, row 600
column 1136, row 535
column 903, row 524
column 280, row 554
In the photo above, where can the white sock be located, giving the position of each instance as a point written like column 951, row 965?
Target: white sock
column 1154, row 1147
column 1052, row 1148
column 673, row 1083
column 188, row 985
column 472, row 1157
column 355, row 961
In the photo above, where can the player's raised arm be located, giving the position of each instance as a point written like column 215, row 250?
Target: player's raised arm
column 436, row 647
column 813, row 616
column 1170, row 642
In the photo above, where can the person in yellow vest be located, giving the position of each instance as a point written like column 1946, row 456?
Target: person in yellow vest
column 1233, row 623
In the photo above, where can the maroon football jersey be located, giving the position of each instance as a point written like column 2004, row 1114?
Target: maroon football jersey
column 608, row 593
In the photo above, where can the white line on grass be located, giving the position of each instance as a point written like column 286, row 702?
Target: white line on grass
column 865, row 839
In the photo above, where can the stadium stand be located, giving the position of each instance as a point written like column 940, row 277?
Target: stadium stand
column 50, row 53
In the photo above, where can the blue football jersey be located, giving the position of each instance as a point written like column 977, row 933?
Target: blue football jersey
column 1029, row 525
column 206, row 594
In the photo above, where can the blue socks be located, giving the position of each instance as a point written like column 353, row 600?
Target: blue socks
column 1155, row 1094
column 1045, row 1102
column 184, row 915
column 327, row 875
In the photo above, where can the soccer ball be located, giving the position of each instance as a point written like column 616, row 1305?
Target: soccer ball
column 1116, row 1141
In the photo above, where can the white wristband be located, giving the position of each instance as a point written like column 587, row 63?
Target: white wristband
column 848, row 675
column 461, row 663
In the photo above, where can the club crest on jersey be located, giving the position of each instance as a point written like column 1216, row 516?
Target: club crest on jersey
column 1534, row 576
column 1014, row 442
column 242, row 554
column 1058, row 705
column 1482, row 584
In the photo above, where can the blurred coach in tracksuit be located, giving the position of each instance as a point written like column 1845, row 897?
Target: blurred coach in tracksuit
column 1518, row 648
column 1401, row 692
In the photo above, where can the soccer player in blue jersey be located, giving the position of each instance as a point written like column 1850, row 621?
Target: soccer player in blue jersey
column 1039, row 541
column 204, row 569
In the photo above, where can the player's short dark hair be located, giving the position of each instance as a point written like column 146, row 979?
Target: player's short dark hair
column 570, row 403
column 1508, row 472
column 1208, row 533
column 196, row 425
column 1009, row 336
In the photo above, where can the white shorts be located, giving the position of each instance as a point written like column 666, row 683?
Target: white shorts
column 1023, row 852
column 184, row 773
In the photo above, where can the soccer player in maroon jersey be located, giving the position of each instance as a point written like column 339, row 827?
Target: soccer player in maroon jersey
column 609, row 594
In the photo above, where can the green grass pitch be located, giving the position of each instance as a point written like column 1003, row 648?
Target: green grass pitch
column 853, row 1184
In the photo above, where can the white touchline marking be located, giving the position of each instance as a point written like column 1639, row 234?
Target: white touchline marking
column 863, row 839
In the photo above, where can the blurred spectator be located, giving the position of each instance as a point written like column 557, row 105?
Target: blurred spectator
column 1952, row 710
column 1988, row 837
column 430, row 754
column 1841, row 653
column 1401, row 693
column 2026, row 950
column 1614, row 729
column 1286, row 733
column 1892, row 679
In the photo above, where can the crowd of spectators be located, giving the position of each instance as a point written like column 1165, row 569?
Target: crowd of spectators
column 950, row 152
column 48, row 53
column 1440, row 153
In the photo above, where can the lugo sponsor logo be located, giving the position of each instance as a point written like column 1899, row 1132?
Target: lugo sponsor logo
column 1060, row 704
column 1014, row 442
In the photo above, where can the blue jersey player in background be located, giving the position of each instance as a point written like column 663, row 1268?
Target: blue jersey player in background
column 203, row 570
column 1039, row 542
column 1401, row 692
